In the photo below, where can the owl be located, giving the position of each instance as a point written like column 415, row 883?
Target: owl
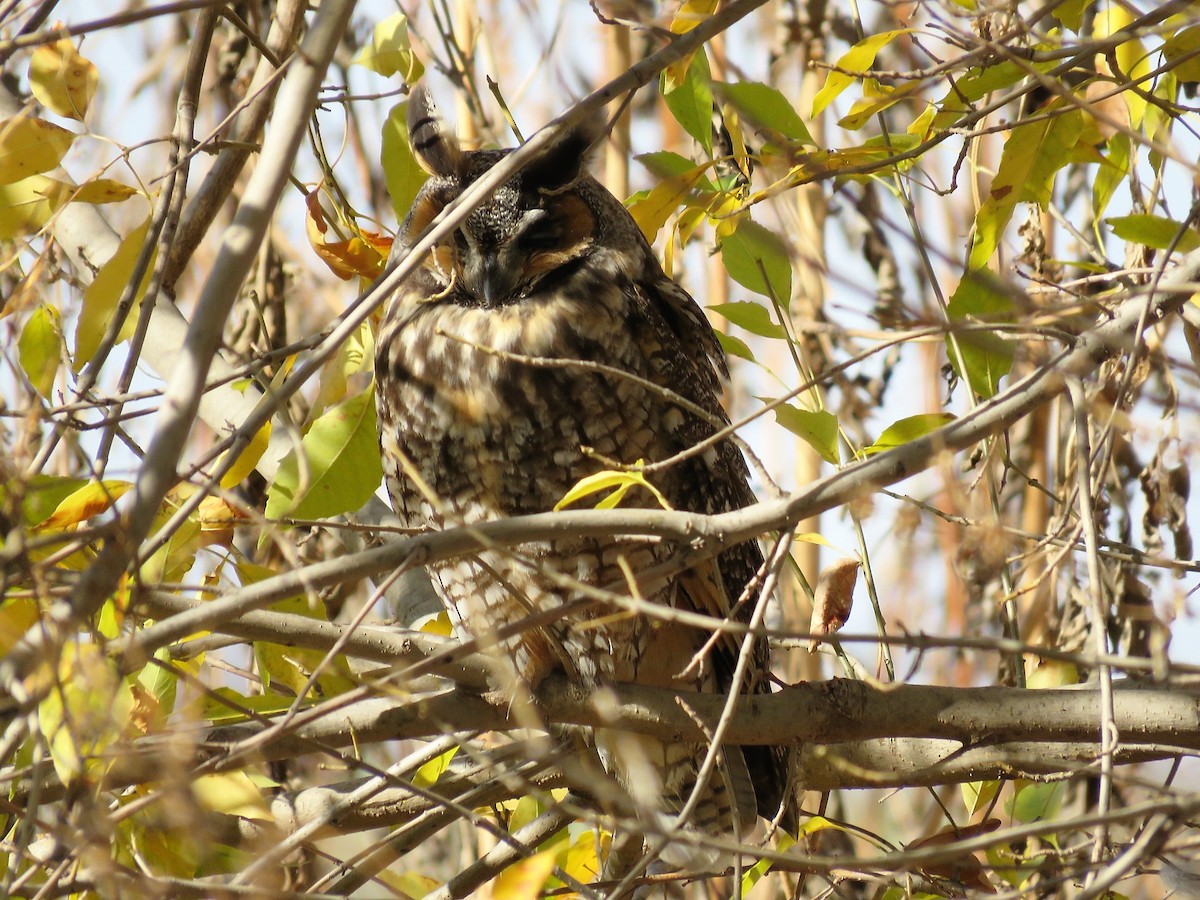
column 539, row 344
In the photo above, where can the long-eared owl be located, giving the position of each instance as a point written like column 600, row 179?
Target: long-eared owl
column 539, row 344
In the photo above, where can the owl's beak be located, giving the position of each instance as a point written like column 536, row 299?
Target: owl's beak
column 489, row 278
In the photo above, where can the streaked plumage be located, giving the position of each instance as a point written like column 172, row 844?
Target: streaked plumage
column 551, row 267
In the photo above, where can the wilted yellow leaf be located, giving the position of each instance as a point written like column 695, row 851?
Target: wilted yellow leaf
column 61, row 79
column 30, row 146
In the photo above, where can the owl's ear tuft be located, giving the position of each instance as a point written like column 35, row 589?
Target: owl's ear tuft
column 434, row 146
column 565, row 161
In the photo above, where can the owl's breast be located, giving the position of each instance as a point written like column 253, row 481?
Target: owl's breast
column 494, row 407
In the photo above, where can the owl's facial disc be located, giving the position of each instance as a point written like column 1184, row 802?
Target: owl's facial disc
column 500, row 265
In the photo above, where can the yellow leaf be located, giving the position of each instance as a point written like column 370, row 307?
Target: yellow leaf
column 61, row 79
column 652, row 211
column 428, row 774
column 620, row 482
column 247, row 459
column 16, row 617
column 101, row 190
column 30, row 146
column 102, row 295
column 690, row 14
column 90, row 500
column 232, row 794
column 524, row 881
column 26, row 205
column 438, row 624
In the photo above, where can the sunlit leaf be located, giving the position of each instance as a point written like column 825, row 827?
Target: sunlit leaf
column 99, row 190
column 17, row 616
column 765, row 107
column 980, row 300
column 61, row 79
column 618, row 482
column 858, row 59
column 524, row 880
column 27, row 205
column 757, row 259
column 876, row 98
column 232, row 794
column 248, row 458
column 103, row 294
column 1158, row 232
column 753, row 317
column 30, row 146
column 691, row 101
column 85, row 711
column 1182, row 50
column 343, row 464
column 1109, row 177
column 651, row 210
column 402, row 173
column 1132, row 58
column 363, row 253
column 978, row 795
column 90, row 500
column 1031, row 157
column 908, row 429
column 430, row 772
column 1070, row 12
column 817, row 428
column 688, row 15
column 1036, row 802
column 390, row 51
column 735, row 346
column 39, row 349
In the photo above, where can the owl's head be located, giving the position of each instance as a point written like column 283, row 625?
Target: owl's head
column 535, row 228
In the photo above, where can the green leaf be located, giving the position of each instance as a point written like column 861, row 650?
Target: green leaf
column 430, row 772
column 1037, row 802
column 1109, row 176
column 401, row 171
column 1180, row 49
column 819, row 429
column 664, row 164
column 783, row 843
column 735, row 346
column 978, row 795
column 859, row 58
column 757, row 259
column 390, row 51
column 1031, row 157
column 691, row 103
column 908, row 429
column 766, row 107
column 980, row 299
column 1157, row 232
column 342, row 449
column 1070, row 13
column 102, row 295
column 752, row 317
column 40, row 348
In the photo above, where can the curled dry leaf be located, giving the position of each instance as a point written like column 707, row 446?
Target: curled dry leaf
column 834, row 598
